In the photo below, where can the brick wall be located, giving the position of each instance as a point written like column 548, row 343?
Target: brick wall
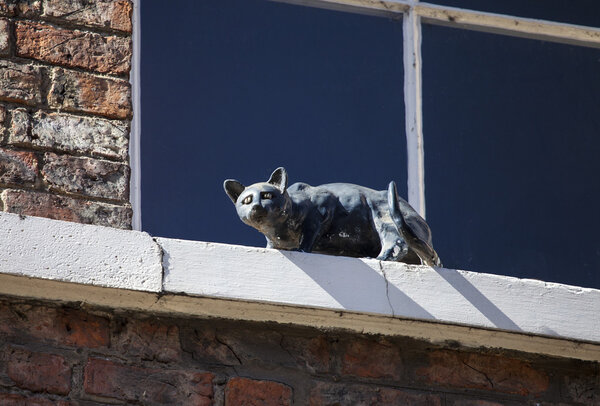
column 68, row 356
column 65, row 109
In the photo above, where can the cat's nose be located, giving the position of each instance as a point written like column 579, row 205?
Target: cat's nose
column 257, row 211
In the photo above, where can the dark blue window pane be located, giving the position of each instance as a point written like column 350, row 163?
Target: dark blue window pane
column 581, row 12
column 235, row 88
column 512, row 153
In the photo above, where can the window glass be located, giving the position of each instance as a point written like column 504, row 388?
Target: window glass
column 236, row 88
column 580, row 12
column 512, row 155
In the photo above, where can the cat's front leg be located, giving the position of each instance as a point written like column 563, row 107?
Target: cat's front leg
column 269, row 243
column 310, row 233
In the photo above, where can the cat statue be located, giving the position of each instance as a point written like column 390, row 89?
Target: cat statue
column 335, row 219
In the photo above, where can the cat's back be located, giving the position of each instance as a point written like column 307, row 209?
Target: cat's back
column 347, row 194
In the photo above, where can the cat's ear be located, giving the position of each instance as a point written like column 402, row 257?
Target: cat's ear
column 279, row 179
column 233, row 188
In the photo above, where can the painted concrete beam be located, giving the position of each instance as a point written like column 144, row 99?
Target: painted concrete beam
column 386, row 288
column 58, row 250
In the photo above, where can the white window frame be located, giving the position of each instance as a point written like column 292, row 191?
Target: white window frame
column 413, row 13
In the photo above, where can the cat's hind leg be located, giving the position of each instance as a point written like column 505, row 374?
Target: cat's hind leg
column 393, row 246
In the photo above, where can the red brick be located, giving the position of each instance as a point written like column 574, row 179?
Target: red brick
column 20, row 83
column 149, row 386
column 149, row 340
column 22, row 8
column 480, row 371
column 73, row 48
column 7, row 399
column 62, row 326
column 39, row 372
column 114, row 14
column 77, row 91
column 66, row 208
column 4, row 37
column 86, row 176
column 323, row 394
column 372, row 359
column 18, row 168
column 244, row 391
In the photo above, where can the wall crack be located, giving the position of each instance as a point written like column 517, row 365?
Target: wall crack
column 387, row 288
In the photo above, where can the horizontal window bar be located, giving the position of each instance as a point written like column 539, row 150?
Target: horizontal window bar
column 507, row 25
column 467, row 19
column 379, row 8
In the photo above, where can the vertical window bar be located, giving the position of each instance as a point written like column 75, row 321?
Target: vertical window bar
column 134, row 136
column 414, row 117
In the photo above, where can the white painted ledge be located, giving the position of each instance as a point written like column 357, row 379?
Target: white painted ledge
column 71, row 252
column 54, row 260
column 379, row 287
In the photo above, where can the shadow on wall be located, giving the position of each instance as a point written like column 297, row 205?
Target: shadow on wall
column 496, row 316
column 351, row 283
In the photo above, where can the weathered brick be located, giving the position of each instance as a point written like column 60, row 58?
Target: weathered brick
column 20, row 83
column 39, row 372
column 61, row 326
column 3, row 123
column 149, row 386
column 235, row 346
column 148, row 340
column 481, row 371
column 244, row 391
column 372, row 359
column 66, row 208
column 17, row 168
column 77, row 91
column 87, row 176
column 312, row 353
column 583, row 387
column 206, row 347
column 73, row 48
column 476, row 402
column 7, row 399
column 114, row 14
column 22, row 8
column 4, row 37
column 346, row 394
column 88, row 135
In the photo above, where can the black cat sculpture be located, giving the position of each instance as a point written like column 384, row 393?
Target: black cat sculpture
column 335, row 219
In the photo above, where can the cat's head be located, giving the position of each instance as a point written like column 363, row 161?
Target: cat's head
column 261, row 205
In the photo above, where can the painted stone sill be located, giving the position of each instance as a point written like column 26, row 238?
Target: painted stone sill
column 55, row 260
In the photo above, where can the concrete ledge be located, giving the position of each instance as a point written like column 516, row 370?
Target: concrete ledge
column 54, row 260
column 71, row 252
column 385, row 288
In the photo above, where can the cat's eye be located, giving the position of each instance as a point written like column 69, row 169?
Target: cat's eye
column 247, row 200
column 266, row 195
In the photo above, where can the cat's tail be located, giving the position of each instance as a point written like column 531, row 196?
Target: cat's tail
column 413, row 228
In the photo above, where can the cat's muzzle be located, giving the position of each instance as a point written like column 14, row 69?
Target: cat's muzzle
column 257, row 213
